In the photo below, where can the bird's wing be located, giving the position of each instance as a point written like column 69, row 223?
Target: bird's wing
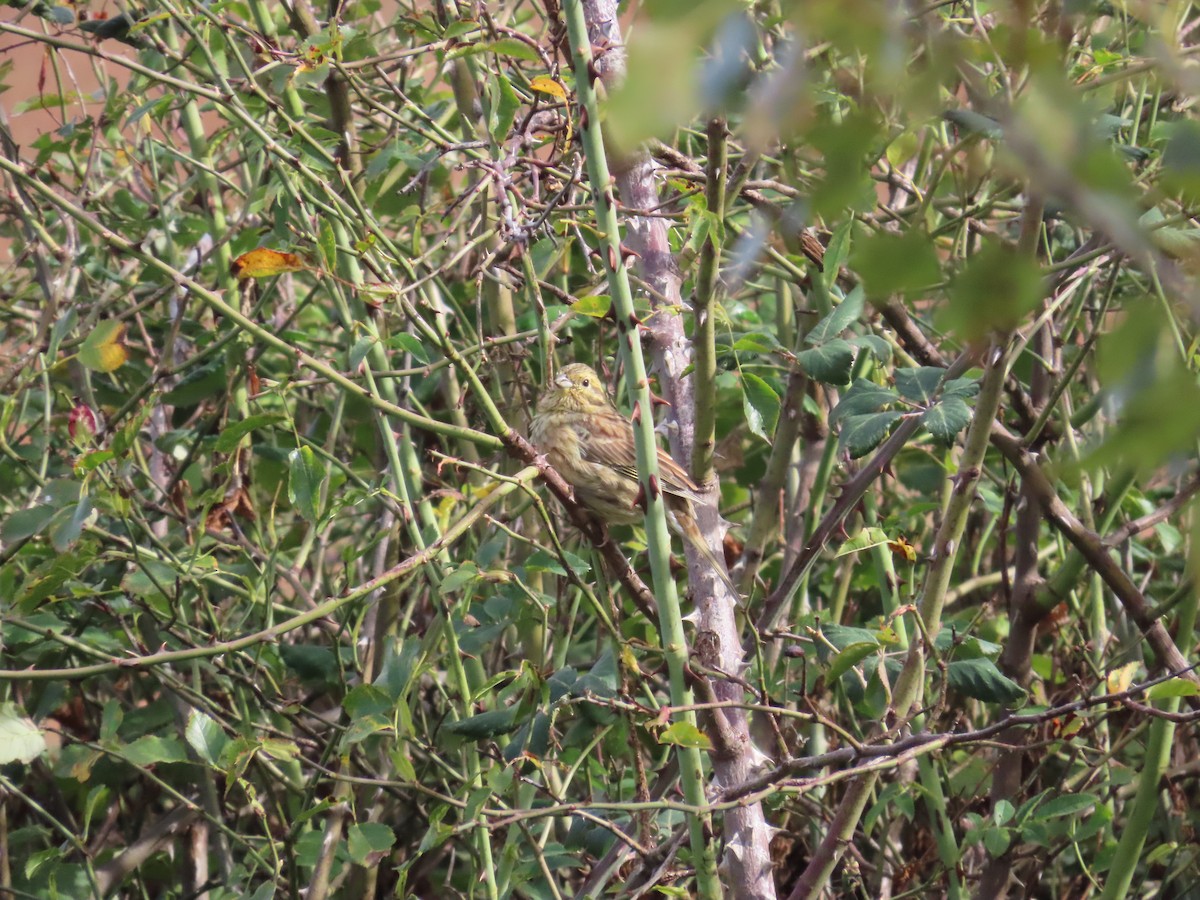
column 609, row 442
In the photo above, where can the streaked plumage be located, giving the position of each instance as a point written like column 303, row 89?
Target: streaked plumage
column 591, row 445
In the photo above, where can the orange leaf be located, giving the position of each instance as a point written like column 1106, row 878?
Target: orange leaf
column 544, row 84
column 263, row 263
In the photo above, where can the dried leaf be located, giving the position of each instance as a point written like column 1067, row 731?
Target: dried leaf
column 264, row 263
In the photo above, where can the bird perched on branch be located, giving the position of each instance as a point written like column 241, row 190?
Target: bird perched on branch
column 591, row 445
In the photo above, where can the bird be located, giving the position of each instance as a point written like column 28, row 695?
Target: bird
column 588, row 442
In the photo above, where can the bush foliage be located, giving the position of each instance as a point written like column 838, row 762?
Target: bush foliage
column 284, row 605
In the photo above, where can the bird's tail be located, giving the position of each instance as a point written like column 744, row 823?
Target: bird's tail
column 686, row 525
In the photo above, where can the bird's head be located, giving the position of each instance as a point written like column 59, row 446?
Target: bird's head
column 575, row 387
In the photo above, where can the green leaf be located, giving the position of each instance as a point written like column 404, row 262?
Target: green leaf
column 25, row 523
column 842, row 317
column 199, row 384
column 863, row 397
column 831, row 362
column 981, row 679
column 685, row 734
column 505, row 101
column 1181, row 159
column 231, row 435
column 875, row 345
column 920, row 384
column 69, row 523
column 995, row 291
column 947, row 418
column 312, row 662
column 327, row 245
column 1176, row 687
column 485, row 725
column 411, row 344
column 757, row 342
column 859, row 435
column 761, row 405
column 866, row 539
column 369, row 842
column 151, row 749
column 595, row 306
column 974, row 123
column 850, row 657
column 305, row 476
column 837, row 251
column 460, row 577
column 205, row 736
column 20, row 739
column 1066, row 805
column 896, row 264
column 997, row 840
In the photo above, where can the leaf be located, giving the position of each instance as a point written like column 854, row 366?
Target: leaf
column 25, row 523
column 1121, row 678
column 1176, row 687
column 974, row 123
column 505, row 106
column 544, row 84
column 326, row 243
column 981, row 679
column 947, row 418
column 896, row 264
column 152, row 749
column 875, row 345
column 20, row 739
column 412, row 344
column 994, row 292
column 232, row 434
column 761, row 405
column 757, row 342
column 515, row 48
column 460, row 578
column 485, row 725
column 920, row 384
column 685, row 734
column 205, row 736
column 198, row 385
column 997, row 840
column 1066, row 805
column 305, row 475
column 842, row 317
column 831, row 362
column 69, row 524
column 104, row 350
column 838, row 250
column 265, row 263
column 311, row 662
column 860, row 435
column 867, row 538
column 849, row 657
column 863, row 397
column 369, row 842
column 596, row 306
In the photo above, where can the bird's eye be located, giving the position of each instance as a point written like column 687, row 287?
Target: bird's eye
column 586, row 383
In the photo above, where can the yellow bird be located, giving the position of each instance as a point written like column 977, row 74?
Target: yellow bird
column 591, row 445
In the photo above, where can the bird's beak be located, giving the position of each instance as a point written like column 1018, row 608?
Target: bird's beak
column 562, row 381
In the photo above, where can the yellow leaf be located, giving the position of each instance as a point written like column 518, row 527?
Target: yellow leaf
column 1120, row 679
column 544, row 84
column 263, row 263
column 104, row 349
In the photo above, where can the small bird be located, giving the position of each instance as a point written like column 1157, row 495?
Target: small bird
column 591, row 445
